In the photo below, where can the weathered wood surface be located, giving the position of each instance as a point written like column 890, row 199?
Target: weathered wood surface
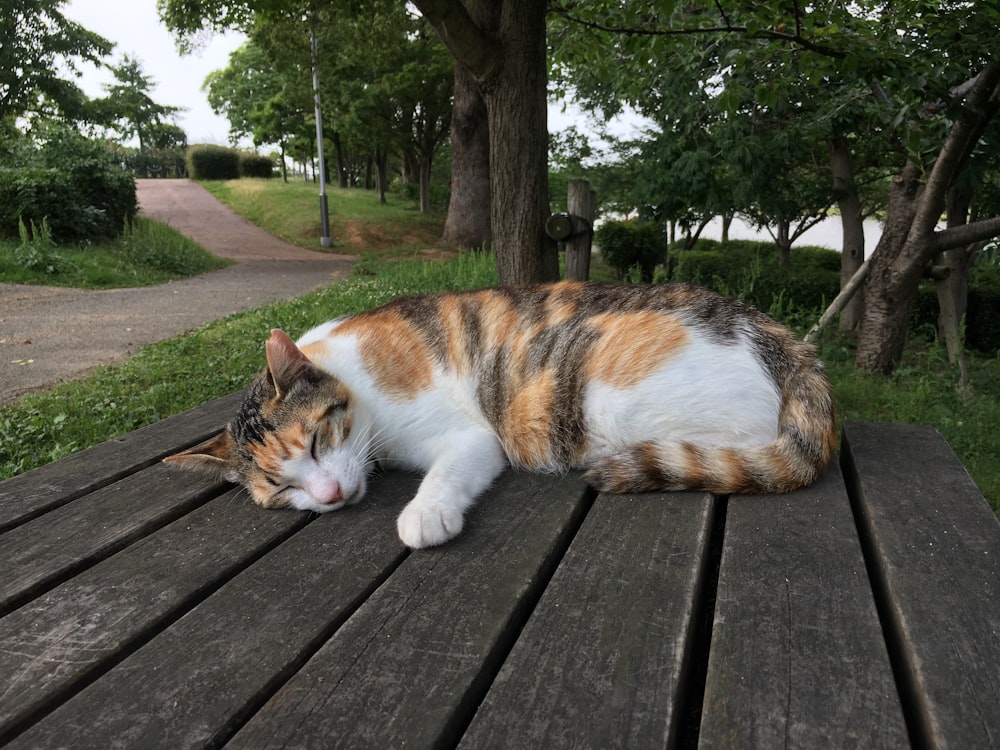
column 144, row 607
column 934, row 546
column 797, row 657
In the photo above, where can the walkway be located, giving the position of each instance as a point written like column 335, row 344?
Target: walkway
column 53, row 334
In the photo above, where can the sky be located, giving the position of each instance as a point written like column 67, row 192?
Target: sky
column 135, row 28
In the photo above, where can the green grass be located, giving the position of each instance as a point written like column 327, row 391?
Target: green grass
column 223, row 356
column 147, row 253
column 219, row 358
column 358, row 222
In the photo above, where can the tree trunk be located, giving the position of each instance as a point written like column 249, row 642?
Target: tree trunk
column 381, row 173
column 892, row 280
column 515, row 97
column 509, row 62
column 784, row 243
column 468, row 221
column 727, row 222
column 425, row 184
column 953, row 291
column 853, row 228
column 910, row 240
column 338, row 148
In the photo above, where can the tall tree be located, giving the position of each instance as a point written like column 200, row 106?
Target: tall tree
column 905, row 56
column 502, row 45
column 129, row 107
column 39, row 42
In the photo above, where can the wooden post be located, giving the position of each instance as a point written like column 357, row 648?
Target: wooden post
column 581, row 203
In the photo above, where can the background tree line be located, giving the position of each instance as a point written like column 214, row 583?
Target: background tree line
column 777, row 112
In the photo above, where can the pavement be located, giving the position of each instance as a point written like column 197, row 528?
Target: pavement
column 52, row 334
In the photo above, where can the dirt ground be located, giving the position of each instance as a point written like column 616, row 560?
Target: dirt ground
column 52, row 334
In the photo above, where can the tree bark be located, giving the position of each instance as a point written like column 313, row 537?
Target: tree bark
column 468, row 221
column 852, row 226
column 510, row 67
column 783, row 242
column 910, row 239
column 953, row 290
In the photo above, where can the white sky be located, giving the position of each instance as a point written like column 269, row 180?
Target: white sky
column 136, row 30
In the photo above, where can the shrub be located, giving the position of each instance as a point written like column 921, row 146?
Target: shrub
column 256, row 165
column 750, row 270
column 208, row 162
column 73, row 184
column 982, row 314
column 626, row 245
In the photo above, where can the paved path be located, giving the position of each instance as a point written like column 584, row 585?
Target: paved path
column 52, row 334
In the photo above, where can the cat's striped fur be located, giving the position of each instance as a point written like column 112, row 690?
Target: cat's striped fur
column 645, row 387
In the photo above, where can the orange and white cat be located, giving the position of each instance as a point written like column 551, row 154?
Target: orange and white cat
column 661, row 387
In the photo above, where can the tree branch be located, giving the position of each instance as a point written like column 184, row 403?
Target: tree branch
column 726, row 28
column 956, row 148
column 469, row 44
column 966, row 234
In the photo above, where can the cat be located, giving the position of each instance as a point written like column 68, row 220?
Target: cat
column 656, row 387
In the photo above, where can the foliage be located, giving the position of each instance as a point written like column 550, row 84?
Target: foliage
column 256, row 165
column 146, row 253
column 627, row 244
column 982, row 316
column 73, row 183
column 751, row 270
column 222, row 357
column 358, row 222
column 209, row 162
column 40, row 51
column 129, row 109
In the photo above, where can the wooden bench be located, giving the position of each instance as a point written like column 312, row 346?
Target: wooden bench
column 142, row 607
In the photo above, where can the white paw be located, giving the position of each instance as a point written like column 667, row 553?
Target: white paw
column 422, row 525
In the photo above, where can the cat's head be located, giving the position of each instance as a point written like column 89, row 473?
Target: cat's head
column 291, row 443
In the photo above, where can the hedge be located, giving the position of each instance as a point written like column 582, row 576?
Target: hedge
column 625, row 245
column 208, row 162
column 80, row 201
column 750, row 270
column 256, row 165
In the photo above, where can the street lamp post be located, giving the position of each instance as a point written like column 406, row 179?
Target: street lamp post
column 324, row 213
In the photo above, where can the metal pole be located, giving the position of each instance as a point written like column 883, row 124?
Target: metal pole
column 324, row 214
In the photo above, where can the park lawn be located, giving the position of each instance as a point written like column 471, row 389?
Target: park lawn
column 223, row 356
column 147, row 253
column 359, row 224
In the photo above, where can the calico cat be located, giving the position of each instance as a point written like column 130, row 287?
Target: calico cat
column 646, row 387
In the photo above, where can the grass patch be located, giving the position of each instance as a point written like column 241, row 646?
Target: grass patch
column 217, row 359
column 223, row 357
column 146, row 253
column 358, row 222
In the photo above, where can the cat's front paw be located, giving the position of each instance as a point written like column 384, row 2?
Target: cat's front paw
column 427, row 525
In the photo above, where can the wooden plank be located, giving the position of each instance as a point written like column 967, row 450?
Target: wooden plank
column 28, row 495
column 54, row 644
column 199, row 679
column 409, row 667
column 933, row 545
column 797, row 657
column 601, row 662
column 43, row 552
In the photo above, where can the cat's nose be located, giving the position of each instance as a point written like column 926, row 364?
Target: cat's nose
column 327, row 493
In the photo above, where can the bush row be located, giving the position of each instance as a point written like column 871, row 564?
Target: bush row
column 208, row 162
column 750, row 270
column 982, row 315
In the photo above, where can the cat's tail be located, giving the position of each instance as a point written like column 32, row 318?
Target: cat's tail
column 795, row 458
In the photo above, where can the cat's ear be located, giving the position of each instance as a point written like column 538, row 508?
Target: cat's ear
column 286, row 363
column 211, row 457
